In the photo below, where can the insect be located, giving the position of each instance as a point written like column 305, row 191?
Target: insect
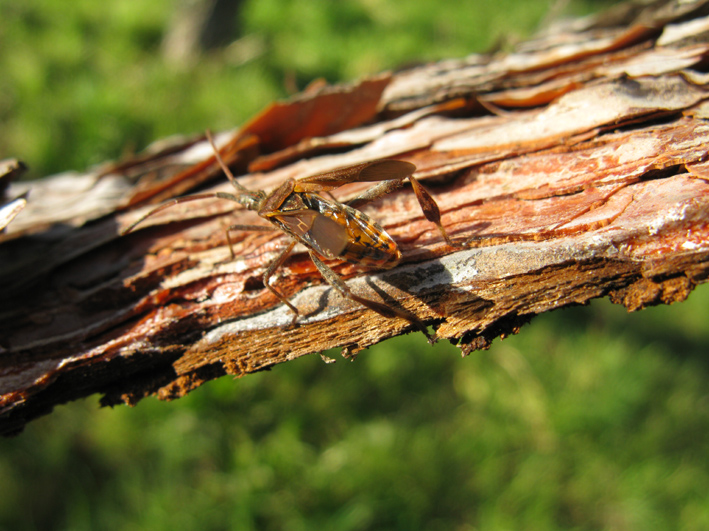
column 327, row 228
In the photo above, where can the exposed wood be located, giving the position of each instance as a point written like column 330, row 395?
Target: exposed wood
column 573, row 168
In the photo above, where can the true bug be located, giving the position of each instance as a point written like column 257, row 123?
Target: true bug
column 326, row 227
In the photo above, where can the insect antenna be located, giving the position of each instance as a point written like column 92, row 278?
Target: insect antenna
column 246, row 198
column 169, row 204
column 255, row 196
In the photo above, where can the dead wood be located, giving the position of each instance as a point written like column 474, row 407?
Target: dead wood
column 572, row 168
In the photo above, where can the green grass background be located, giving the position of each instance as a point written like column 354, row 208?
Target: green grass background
column 589, row 419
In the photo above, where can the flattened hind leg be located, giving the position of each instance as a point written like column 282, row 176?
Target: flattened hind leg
column 429, row 207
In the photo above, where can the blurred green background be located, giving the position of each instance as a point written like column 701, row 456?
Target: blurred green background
column 589, row 419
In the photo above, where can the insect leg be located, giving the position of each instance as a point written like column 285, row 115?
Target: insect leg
column 382, row 309
column 429, row 207
column 278, row 262
column 375, row 192
column 263, row 228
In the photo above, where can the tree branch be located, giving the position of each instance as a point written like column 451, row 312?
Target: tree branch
column 574, row 168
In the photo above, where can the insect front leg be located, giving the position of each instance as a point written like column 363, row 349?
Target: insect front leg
column 336, row 282
column 263, row 228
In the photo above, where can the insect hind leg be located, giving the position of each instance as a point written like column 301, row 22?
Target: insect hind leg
column 429, row 207
column 375, row 192
column 336, row 282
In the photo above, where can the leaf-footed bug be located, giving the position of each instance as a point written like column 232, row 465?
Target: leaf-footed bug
column 326, row 227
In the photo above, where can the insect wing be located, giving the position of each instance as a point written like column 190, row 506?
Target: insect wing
column 374, row 171
column 321, row 233
column 334, row 230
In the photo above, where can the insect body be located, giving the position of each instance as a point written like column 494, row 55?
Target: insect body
column 327, row 228
column 335, row 230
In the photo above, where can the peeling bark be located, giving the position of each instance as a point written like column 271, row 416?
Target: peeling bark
column 573, row 168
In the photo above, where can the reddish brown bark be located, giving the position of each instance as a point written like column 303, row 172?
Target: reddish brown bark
column 574, row 168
